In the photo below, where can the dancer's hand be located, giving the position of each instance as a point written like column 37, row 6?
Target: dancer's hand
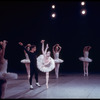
column 42, row 41
column 20, row 43
column 29, row 45
column 47, row 46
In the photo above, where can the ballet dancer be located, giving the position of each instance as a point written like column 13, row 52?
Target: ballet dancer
column 27, row 61
column 86, row 60
column 33, row 64
column 56, row 50
column 45, row 63
column 4, row 75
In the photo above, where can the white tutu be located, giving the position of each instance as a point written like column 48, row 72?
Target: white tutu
column 3, row 71
column 58, row 60
column 25, row 61
column 86, row 59
column 49, row 67
column 8, row 75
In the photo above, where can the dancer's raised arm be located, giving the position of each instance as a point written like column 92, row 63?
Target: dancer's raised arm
column 89, row 47
column 27, row 47
column 59, row 48
column 4, row 43
column 21, row 44
column 85, row 48
column 53, row 49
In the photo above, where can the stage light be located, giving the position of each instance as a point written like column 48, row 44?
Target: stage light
column 53, row 6
column 53, row 15
column 82, row 3
column 83, row 12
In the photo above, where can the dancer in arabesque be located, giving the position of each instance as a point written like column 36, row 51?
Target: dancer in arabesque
column 45, row 62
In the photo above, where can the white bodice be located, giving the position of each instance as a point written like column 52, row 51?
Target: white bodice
column 86, row 54
column 56, row 55
column 3, row 67
column 26, row 55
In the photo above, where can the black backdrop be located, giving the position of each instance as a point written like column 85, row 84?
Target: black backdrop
column 30, row 21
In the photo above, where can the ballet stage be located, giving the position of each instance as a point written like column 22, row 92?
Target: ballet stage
column 67, row 86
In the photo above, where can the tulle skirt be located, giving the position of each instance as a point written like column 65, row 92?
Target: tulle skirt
column 86, row 59
column 8, row 75
column 58, row 60
column 45, row 68
column 24, row 61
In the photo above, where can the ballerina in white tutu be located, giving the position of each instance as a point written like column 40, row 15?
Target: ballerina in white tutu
column 45, row 63
column 56, row 50
column 27, row 60
column 4, row 75
column 86, row 60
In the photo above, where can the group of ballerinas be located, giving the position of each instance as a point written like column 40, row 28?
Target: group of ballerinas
column 44, row 62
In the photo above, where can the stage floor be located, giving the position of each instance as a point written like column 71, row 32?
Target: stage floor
column 66, row 86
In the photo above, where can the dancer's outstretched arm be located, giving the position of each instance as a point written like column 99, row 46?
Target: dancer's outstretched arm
column 21, row 44
column 27, row 46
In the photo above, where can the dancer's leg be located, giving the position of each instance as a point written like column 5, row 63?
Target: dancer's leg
column 28, row 69
column 57, row 70
column 84, row 67
column 87, row 64
column 3, row 85
column 47, row 79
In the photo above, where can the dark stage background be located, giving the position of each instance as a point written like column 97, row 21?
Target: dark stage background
column 30, row 21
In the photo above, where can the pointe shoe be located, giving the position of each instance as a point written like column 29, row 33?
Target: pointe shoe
column 37, row 84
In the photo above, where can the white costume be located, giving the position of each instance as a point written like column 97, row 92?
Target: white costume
column 27, row 64
column 41, row 65
column 57, row 63
column 3, row 71
column 56, row 58
column 85, row 58
column 25, row 60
